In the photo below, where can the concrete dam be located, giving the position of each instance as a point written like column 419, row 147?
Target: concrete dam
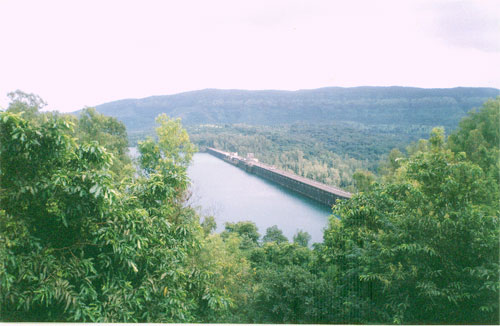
column 315, row 190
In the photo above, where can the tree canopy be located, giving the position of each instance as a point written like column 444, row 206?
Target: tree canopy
column 77, row 245
column 424, row 248
column 87, row 237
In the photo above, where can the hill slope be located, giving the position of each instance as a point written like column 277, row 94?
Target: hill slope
column 368, row 105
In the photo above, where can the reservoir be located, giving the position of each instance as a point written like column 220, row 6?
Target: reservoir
column 230, row 194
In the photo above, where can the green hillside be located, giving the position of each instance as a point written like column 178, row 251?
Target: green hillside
column 367, row 105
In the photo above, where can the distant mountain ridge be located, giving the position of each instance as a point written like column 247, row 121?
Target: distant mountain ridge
column 367, row 104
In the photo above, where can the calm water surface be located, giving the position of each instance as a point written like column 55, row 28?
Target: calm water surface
column 231, row 195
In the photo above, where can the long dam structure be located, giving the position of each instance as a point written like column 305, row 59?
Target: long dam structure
column 320, row 192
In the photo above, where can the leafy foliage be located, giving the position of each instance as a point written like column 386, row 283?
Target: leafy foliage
column 227, row 274
column 363, row 179
column 479, row 137
column 273, row 234
column 76, row 245
column 289, row 294
column 302, row 238
column 246, row 230
column 109, row 133
column 85, row 238
column 29, row 104
column 423, row 249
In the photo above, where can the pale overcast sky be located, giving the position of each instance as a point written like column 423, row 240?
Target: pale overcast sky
column 84, row 53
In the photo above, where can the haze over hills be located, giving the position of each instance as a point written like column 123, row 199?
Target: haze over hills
column 367, row 105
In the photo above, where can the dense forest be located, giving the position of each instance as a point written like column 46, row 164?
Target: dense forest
column 86, row 236
column 368, row 105
column 329, row 153
column 330, row 135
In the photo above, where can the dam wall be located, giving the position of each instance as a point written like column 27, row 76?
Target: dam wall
column 309, row 188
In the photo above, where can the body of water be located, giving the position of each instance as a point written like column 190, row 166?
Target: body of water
column 231, row 195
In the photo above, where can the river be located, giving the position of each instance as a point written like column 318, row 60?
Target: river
column 231, row 195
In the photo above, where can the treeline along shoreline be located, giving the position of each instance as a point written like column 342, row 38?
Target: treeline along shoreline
column 87, row 237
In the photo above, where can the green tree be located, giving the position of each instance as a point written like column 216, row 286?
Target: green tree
column 280, row 254
column 286, row 289
column 246, row 230
column 209, row 225
column 227, row 275
column 77, row 246
column 363, row 180
column 388, row 168
column 302, row 238
column 289, row 294
column 172, row 149
column 421, row 250
column 478, row 136
column 30, row 104
column 109, row 133
column 52, row 193
column 274, row 234
column 164, row 164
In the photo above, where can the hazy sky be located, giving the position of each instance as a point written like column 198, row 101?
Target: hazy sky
column 84, row 53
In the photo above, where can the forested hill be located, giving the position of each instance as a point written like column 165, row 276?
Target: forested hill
column 368, row 105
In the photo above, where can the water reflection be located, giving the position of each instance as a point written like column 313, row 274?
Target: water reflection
column 231, row 195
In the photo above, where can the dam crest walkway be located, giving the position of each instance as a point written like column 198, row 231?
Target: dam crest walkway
column 320, row 192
